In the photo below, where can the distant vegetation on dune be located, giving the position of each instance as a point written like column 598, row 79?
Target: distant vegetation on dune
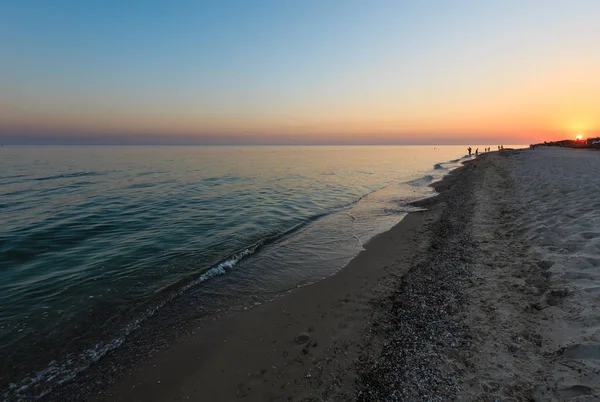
column 592, row 143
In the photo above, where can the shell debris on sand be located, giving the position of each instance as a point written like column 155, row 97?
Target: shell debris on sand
column 417, row 328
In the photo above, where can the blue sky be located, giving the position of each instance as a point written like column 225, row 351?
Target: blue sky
column 269, row 71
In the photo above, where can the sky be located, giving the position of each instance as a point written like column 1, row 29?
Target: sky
column 298, row 72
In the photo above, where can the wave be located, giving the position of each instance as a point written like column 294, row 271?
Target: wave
column 68, row 176
column 220, row 269
column 406, row 209
column 151, row 173
column 346, row 171
column 217, row 181
column 452, row 161
column 57, row 373
column 421, row 181
column 60, row 372
column 11, row 179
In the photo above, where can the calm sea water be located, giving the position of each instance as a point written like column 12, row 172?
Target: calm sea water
column 95, row 240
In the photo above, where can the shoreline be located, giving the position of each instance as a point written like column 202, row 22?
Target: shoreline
column 115, row 364
column 266, row 352
column 301, row 344
column 98, row 300
column 489, row 293
column 335, row 324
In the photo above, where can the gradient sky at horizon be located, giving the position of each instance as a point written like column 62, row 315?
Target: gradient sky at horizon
column 344, row 71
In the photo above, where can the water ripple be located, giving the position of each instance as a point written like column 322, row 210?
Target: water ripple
column 95, row 240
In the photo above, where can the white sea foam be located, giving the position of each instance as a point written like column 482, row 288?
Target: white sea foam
column 220, row 269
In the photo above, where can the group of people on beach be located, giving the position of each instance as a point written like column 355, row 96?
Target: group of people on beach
column 488, row 149
column 476, row 151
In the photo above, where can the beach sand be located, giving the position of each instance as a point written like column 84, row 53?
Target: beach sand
column 491, row 292
column 534, row 295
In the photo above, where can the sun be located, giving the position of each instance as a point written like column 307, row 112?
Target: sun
column 579, row 137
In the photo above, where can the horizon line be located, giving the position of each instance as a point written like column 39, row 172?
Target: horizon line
column 246, row 144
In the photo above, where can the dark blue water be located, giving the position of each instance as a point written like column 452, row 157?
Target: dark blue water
column 94, row 240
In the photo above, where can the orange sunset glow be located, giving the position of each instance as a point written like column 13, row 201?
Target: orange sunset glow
column 358, row 200
column 527, row 76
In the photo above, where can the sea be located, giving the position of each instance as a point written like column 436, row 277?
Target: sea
column 100, row 244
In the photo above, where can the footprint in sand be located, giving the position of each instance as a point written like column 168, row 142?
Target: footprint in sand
column 545, row 265
column 575, row 391
column 583, row 352
column 556, row 296
column 589, row 235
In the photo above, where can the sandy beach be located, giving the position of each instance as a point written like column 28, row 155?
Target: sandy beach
column 532, row 308
column 490, row 292
column 298, row 201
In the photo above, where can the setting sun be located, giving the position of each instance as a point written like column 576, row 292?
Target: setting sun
column 579, row 137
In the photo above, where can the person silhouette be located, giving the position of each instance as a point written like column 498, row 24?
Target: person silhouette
column 476, row 151
column 469, row 149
